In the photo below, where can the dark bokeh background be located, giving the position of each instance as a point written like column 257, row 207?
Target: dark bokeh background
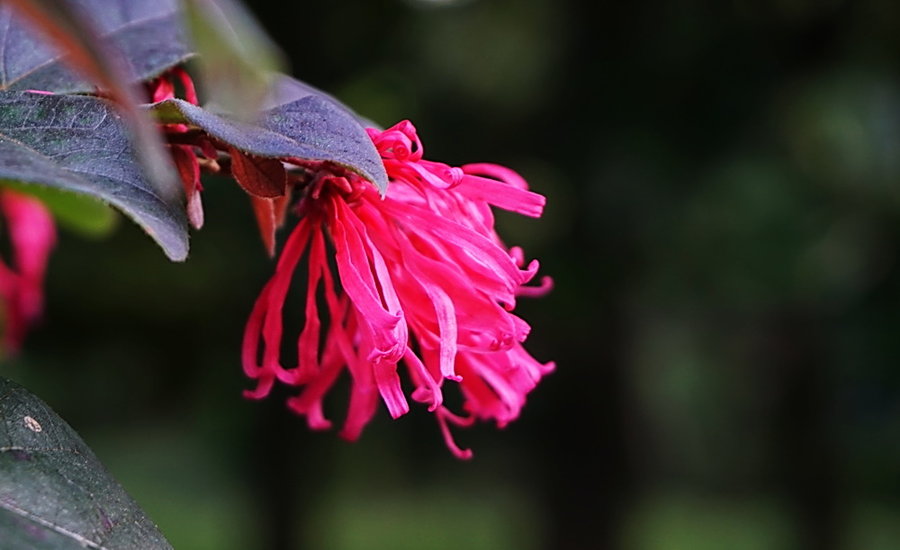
column 723, row 225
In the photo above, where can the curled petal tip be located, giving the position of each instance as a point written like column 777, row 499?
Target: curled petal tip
column 319, row 425
column 463, row 454
column 254, row 394
column 542, row 289
column 349, row 435
column 290, row 377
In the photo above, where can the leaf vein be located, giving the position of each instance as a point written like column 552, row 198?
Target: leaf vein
column 86, row 542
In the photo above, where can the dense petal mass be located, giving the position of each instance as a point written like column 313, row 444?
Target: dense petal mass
column 425, row 282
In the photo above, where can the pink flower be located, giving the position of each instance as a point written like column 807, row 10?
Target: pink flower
column 32, row 236
column 183, row 155
column 425, row 282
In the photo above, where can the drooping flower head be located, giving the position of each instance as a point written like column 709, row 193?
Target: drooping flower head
column 413, row 288
column 416, row 285
column 32, row 235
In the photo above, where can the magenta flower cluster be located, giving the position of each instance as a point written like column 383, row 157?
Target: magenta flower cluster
column 425, row 282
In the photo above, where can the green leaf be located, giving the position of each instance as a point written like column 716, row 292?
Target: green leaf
column 78, row 143
column 299, row 122
column 147, row 35
column 237, row 59
column 77, row 212
column 54, row 492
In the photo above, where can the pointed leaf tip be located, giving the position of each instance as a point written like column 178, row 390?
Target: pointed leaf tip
column 267, row 220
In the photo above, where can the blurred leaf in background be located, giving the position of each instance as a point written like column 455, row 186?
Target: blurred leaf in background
column 237, row 59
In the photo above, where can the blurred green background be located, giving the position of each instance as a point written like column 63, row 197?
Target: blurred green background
column 723, row 226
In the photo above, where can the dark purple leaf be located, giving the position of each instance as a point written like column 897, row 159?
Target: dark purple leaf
column 54, row 492
column 60, row 46
column 146, row 37
column 299, row 122
column 78, row 143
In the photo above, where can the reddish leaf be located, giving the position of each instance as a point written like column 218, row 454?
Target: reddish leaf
column 189, row 170
column 270, row 216
column 261, row 177
column 188, row 167
column 281, row 208
column 266, row 219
